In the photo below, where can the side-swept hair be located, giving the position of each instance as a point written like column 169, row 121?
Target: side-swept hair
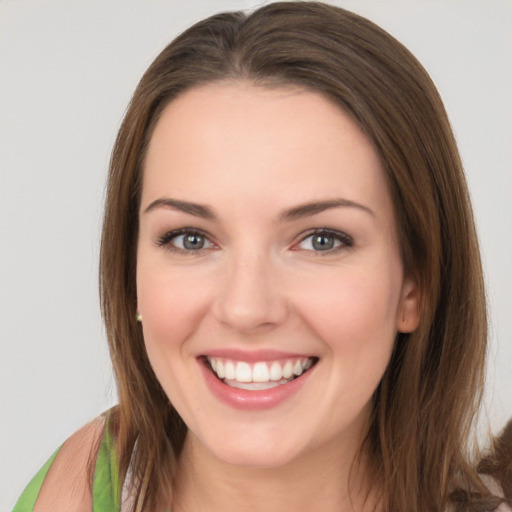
column 423, row 410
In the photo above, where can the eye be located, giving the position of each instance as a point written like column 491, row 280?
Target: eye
column 185, row 240
column 325, row 240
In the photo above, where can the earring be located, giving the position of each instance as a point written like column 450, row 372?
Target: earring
column 138, row 317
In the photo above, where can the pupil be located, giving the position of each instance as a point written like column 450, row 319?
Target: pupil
column 193, row 242
column 323, row 242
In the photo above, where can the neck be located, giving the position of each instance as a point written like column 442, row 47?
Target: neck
column 324, row 479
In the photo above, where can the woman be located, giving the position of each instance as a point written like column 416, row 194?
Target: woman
column 290, row 281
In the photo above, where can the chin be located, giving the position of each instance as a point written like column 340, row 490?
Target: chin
column 254, row 448
column 256, row 458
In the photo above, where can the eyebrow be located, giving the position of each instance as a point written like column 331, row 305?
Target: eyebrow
column 291, row 214
column 308, row 209
column 195, row 209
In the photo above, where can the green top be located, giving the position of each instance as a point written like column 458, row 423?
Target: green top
column 105, row 482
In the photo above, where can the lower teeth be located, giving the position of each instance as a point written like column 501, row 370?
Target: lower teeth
column 256, row 386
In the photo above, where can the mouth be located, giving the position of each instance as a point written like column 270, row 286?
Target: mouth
column 258, row 375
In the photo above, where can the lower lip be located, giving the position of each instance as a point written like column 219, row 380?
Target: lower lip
column 252, row 400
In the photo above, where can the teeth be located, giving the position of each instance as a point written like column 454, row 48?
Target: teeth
column 229, row 370
column 254, row 386
column 276, row 372
column 288, row 370
column 266, row 374
column 260, row 373
column 306, row 364
column 220, row 370
column 243, row 372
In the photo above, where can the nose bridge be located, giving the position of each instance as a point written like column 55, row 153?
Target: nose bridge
column 250, row 296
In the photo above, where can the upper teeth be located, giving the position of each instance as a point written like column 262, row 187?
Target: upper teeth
column 263, row 371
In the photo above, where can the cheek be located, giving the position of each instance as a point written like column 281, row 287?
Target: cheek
column 354, row 303
column 355, row 316
column 171, row 305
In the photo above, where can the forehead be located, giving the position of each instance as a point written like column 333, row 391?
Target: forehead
column 253, row 140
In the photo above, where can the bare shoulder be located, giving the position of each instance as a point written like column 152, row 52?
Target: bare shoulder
column 67, row 484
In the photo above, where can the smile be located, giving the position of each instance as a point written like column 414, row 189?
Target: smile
column 258, row 375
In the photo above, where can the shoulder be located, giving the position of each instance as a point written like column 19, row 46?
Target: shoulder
column 67, row 486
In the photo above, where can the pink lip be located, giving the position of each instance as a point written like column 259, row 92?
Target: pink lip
column 253, row 355
column 251, row 400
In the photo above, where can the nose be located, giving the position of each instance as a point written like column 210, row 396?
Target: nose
column 251, row 297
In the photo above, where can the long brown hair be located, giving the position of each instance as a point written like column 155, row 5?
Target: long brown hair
column 424, row 408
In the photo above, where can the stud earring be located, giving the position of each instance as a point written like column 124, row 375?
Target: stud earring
column 138, row 317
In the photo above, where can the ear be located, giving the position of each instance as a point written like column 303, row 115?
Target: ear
column 408, row 312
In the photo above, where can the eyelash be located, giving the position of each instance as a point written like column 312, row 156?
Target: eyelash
column 167, row 238
column 345, row 241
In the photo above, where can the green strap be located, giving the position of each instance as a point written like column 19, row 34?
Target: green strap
column 106, row 491
column 27, row 500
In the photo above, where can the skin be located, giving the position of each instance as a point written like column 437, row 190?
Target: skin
column 250, row 153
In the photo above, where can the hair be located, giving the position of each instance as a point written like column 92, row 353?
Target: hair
column 418, row 444
column 498, row 463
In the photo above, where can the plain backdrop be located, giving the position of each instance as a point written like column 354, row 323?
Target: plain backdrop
column 67, row 70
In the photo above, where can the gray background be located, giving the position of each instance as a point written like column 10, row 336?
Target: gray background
column 67, row 70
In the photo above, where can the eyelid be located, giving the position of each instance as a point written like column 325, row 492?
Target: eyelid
column 166, row 239
column 346, row 241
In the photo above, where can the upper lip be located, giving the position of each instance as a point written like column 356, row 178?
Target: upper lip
column 253, row 355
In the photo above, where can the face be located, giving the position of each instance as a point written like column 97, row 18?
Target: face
column 269, row 277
